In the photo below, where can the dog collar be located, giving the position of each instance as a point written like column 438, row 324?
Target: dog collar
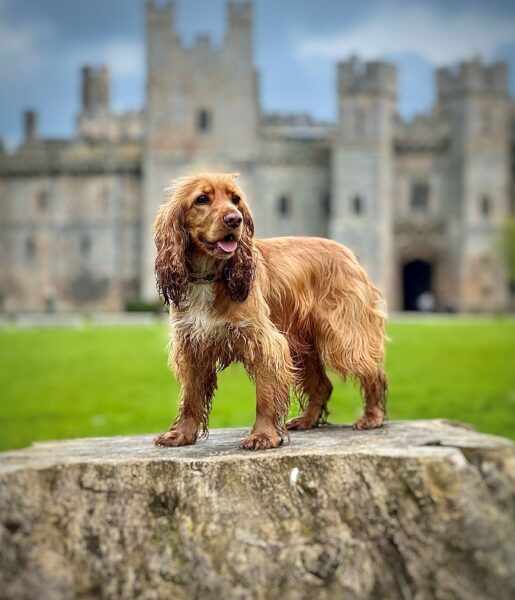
column 204, row 277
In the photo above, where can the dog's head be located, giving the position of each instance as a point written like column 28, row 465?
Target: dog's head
column 206, row 214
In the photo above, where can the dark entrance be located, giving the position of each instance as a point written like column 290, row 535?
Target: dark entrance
column 416, row 279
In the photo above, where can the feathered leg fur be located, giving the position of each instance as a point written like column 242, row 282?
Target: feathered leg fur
column 270, row 366
column 317, row 388
column 197, row 377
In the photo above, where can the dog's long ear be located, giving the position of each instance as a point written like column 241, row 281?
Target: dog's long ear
column 241, row 271
column 172, row 240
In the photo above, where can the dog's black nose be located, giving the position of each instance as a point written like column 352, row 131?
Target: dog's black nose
column 233, row 219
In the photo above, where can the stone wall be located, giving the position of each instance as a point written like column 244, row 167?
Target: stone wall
column 70, row 239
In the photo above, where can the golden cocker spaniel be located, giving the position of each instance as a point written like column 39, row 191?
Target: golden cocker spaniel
column 285, row 307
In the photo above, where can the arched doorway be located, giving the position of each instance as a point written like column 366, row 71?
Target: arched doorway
column 417, row 278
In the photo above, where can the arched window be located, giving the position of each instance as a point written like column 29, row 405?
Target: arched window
column 486, row 291
column 30, row 248
column 104, row 199
column 85, row 245
column 283, row 206
column 357, row 205
column 419, row 196
column 485, row 206
column 486, row 122
column 326, row 205
column 360, row 121
column 204, row 120
column 42, row 200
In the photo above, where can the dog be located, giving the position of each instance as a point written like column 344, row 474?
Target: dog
column 285, row 307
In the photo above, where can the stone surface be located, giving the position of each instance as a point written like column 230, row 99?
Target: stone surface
column 420, row 509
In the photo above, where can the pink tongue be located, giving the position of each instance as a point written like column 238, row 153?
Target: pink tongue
column 228, row 245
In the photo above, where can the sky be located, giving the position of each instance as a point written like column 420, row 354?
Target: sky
column 297, row 43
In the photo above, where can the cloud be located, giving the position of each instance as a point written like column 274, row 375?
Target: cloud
column 21, row 55
column 124, row 57
column 440, row 37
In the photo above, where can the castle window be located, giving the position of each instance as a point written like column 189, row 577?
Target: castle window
column 486, row 291
column 42, row 200
column 104, row 200
column 486, row 122
column 204, row 120
column 85, row 245
column 30, row 249
column 360, row 121
column 283, row 206
column 486, row 207
column 326, row 205
column 419, row 196
column 357, row 205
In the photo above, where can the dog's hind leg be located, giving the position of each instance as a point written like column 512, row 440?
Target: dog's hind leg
column 373, row 389
column 363, row 362
column 317, row 387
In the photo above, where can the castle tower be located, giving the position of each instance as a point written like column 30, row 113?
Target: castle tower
column 362, row 165
column 474, row 98
column 30, row 125
column 95, row 90
column 201, row 98
column 202, row 109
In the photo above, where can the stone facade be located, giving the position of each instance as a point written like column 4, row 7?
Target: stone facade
column 422, row 204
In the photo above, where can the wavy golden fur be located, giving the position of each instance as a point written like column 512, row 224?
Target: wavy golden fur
column 285, row 307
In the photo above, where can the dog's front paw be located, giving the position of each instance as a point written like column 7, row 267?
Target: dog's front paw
column 369, row 422
column 261, row 441
column 174, row 438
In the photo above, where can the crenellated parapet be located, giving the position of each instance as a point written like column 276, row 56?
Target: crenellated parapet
column 424, row 133
column 472, row 77
column 372, row 77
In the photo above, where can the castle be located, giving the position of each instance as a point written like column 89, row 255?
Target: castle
column 422, row 204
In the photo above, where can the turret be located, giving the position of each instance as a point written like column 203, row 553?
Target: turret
column 239, row 30
column 95, row 90
column 362, row 164
column 30, row 125
column 474, row 99
column 201, row 110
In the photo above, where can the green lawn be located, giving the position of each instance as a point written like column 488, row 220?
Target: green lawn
column 62, row 383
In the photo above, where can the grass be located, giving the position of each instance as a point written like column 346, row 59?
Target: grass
column 62, row 383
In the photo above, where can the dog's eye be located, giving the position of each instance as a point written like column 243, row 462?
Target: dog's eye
column 203, row 199
column 236, row 199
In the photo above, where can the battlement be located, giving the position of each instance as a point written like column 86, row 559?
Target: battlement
column 373, row 77
column 240, row 13
column 161, row 26
column 160, row 15
column 471, row 77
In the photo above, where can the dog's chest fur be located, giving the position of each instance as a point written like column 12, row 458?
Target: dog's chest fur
column 199, row 321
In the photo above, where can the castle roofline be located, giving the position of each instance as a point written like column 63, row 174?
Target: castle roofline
column 73, row 157
column 295, row 125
